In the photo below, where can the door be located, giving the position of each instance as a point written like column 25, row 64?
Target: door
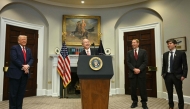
column 12, row 33
column 146, row 38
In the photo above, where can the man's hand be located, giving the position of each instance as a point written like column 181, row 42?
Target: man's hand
column 182, row 78
column 136, row 71
column 26, row 71
column 26, row 68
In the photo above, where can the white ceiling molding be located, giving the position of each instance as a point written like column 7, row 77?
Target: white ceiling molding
column 91, row 3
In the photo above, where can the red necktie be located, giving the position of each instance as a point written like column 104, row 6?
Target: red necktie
column 24, row 53
column 136, row 56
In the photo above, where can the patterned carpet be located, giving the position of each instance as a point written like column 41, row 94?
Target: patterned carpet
column 115, row 102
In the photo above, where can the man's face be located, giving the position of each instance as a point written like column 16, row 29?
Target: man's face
column 171, row 45
column 22, row 40
column 86, row 44
column 135, row 44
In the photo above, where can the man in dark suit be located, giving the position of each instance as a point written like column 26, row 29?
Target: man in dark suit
column 18, row 72
column 87, row 50
column 137, row 62
column 174, row 71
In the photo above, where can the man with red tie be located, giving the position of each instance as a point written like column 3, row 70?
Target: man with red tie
column 18, row 72
column 137, row 61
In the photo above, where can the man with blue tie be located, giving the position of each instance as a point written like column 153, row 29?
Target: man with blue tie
column 174, row 71
column 18, row 72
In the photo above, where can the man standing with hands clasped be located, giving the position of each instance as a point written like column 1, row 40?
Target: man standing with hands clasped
column 174, row 71
column 137, row 62
column 18, row 72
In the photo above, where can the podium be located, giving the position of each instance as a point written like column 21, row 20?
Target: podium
column 94, row 84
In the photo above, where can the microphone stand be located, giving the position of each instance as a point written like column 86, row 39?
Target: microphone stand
column 94, row 47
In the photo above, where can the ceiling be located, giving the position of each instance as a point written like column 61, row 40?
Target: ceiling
column 90, row 3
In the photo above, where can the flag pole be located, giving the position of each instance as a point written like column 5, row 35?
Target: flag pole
column 61, row 88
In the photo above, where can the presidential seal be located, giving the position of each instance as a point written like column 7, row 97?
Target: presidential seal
column 95, row 63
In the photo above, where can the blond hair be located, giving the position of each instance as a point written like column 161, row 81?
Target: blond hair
column 136, row 40
column 21, row 35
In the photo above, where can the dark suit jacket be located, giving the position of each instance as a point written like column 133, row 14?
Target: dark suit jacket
column 140, row 63
column 179, row 67
column 93, row 52
column 17, row 60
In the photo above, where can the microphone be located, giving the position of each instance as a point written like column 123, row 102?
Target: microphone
column 94, row 47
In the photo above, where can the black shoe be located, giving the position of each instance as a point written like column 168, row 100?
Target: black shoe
column 134, row 105
column 145, row 107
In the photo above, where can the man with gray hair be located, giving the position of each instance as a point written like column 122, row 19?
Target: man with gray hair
column 87, row 50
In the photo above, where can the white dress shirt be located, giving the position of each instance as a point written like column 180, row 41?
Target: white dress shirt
column 137, row 50
column 88, row 51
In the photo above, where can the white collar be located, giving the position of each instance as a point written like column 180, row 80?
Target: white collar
column 173, row 51
column 22, row 47
column 87, row 49
column 137, row 49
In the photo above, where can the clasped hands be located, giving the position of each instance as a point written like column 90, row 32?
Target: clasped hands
column 25, row 68
column 136, row 71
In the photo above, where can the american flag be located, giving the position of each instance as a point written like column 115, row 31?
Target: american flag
column 63, row 66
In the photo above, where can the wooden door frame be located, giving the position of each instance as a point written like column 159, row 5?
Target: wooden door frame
column 120, row 55
column 40, row 28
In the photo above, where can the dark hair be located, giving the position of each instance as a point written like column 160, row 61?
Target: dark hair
column 172, row 41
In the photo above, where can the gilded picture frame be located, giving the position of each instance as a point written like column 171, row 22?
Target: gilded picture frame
column 76, row 28
column 181, row 43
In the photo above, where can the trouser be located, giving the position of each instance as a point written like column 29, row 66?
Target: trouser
column 17, row 89
column 171, row 80
column 141, row 82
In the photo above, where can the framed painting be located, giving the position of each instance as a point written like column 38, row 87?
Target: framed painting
column 181, row 43
column 76, row 28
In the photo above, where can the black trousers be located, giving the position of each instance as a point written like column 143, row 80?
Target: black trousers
column 17, row 89
column 171, row 80
column 141, row 83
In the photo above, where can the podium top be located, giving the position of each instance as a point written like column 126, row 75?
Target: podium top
column 86, row 71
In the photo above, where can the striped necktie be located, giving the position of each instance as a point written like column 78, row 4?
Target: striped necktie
column 24, row 53
column 136, row 56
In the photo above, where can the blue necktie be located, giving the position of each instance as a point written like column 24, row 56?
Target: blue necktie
column 171, row 61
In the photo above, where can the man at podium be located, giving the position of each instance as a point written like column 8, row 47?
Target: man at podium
column 87, row 50
column 94, row 72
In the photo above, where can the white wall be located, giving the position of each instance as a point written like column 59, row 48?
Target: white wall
column 175, row 14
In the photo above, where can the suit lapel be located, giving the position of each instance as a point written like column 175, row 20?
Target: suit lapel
column 167, row 55
column 26, row 54
column 91, row 51
column 176, row 54
column 139, row 54
column 20, row 51
column 84, row 52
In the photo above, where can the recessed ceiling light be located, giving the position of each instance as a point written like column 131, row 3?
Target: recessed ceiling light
column 82, row 2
